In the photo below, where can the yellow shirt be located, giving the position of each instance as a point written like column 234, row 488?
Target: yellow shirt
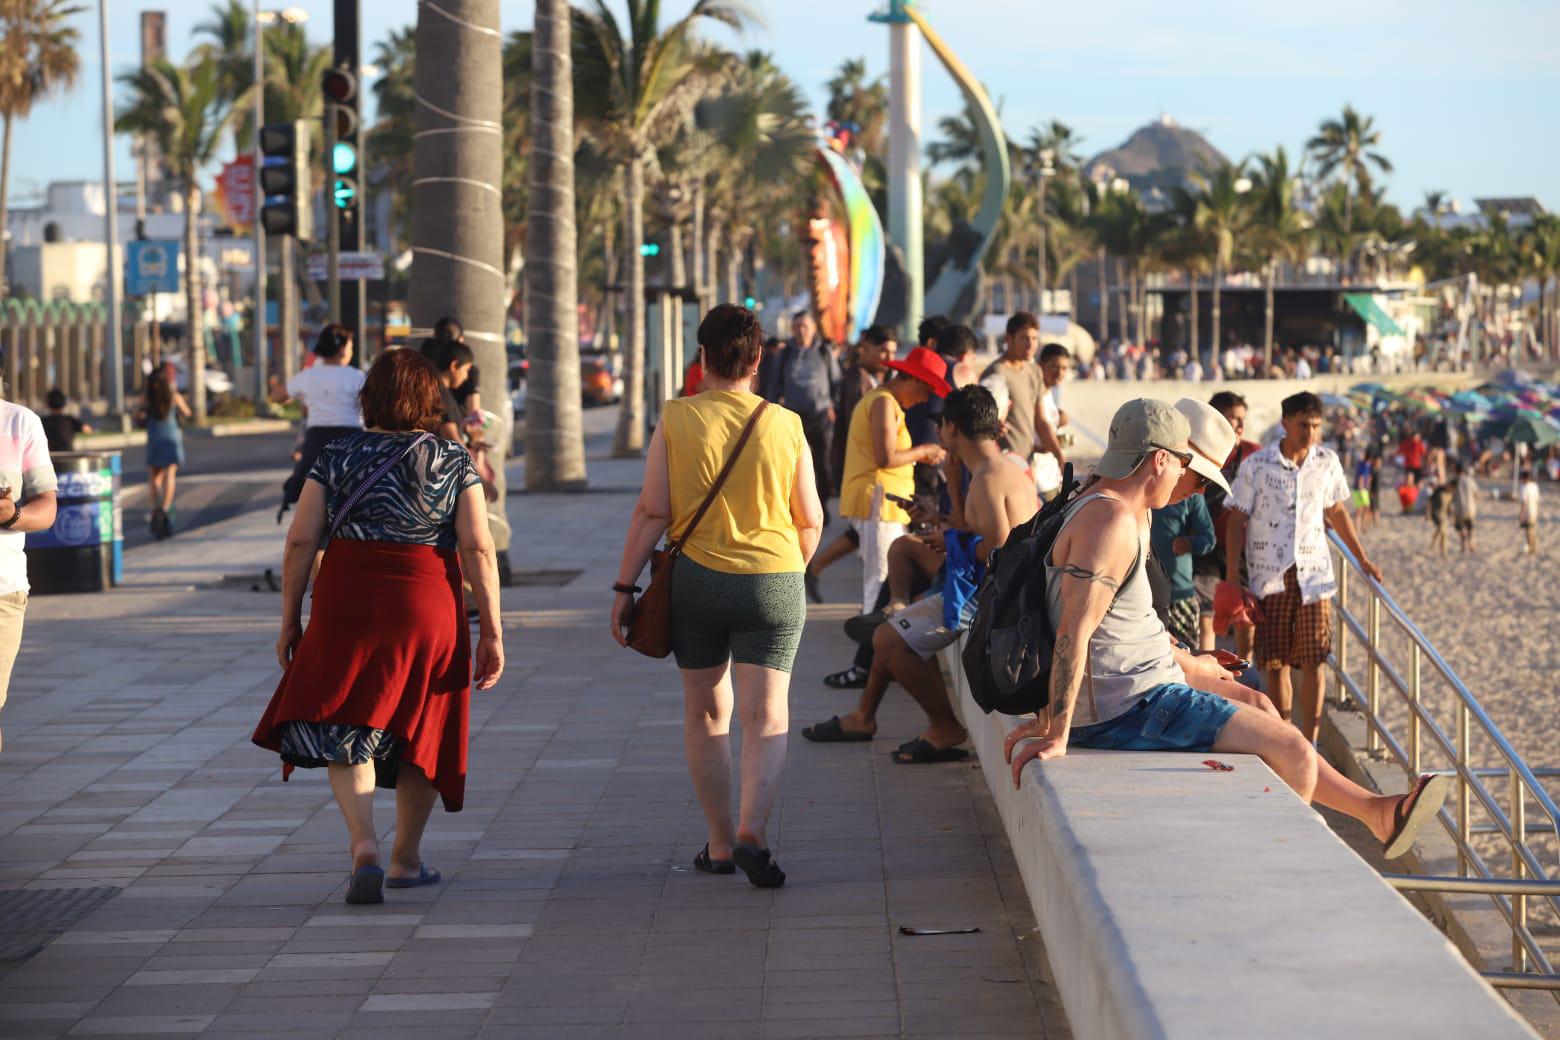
column 748, row 529
column 862, row 474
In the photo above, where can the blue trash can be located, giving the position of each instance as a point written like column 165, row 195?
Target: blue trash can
column 84, row 550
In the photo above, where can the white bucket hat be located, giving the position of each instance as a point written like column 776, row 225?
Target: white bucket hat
column 1212, row 439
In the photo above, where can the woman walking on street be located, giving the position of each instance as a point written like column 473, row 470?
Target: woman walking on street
column 737, row 595
column 164, row 448
column 328, row 391
column 377, row 688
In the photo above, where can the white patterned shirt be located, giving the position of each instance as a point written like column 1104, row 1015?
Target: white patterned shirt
column 1287, row 528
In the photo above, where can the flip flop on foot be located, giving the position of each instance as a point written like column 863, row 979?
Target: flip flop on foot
column 1416, row 809
column 366, row 885
column 760, row 867
column 702, row 862
column 426, row 875
column 852, row 678
column 834, row 732
column 922, row 752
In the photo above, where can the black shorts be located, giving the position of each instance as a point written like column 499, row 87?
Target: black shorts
column 1414, row 471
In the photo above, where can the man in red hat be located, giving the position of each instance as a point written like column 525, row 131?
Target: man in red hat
column 880, row 462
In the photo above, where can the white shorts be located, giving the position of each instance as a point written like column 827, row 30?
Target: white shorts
column 876, row 536
column 921, row 626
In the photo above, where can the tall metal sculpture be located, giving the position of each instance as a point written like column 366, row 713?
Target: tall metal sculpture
column 955, row 290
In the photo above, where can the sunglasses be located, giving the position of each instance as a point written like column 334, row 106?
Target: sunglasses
column 1185, row 456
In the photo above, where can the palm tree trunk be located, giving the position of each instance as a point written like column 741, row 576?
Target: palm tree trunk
column 1216, row 344
column 679, row 264
column 1269, row 274
column 554, row 437
column 1121, row 311
column 734, row 260
column 457, row 210
column 287, row 310
column 700, row 272
column 712, row 261
column 1193, row 332
column 1104, row 298
column 194, row 327
column 1072, row 294
column 1140, row 294
column 5, row 188
column 629, row 440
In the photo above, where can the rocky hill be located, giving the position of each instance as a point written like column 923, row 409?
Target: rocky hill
column 1156, row 158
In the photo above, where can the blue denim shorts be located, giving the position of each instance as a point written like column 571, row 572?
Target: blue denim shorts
column 1172, row 717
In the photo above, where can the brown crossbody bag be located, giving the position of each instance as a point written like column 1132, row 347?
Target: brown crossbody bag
column 650, row 620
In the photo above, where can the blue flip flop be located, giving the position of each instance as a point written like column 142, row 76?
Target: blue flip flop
column 366, row 885
column 425, row 876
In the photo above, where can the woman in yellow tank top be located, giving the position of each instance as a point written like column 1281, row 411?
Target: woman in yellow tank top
column 738, row 602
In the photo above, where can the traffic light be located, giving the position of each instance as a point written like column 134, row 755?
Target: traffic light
column 650, row 249
column 341, row 97
column 286, row 208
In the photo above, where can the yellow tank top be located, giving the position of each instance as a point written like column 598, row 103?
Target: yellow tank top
column 861, row 470
column 748, row 529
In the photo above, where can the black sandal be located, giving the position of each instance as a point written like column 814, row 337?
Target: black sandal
column 760, row 867
column 832, row 732
column 852, row 678
column 921, row 752
column 703, row 863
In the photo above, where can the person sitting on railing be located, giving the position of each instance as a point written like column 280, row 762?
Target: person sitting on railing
column 1114, row 667
column 1282, row 502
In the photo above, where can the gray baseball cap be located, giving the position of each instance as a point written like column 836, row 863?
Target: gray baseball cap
column 1137, row 428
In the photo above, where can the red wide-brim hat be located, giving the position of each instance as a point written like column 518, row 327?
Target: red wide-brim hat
column 925, row 365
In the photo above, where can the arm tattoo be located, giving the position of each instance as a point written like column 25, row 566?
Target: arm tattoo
column 1086, row 575
column 1064, row 683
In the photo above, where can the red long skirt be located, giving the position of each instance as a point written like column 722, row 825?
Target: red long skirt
column 386, row 646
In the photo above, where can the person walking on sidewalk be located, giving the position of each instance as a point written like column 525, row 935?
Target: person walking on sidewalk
column 737, row 603
column 807, row 379
column 27, row 503
column 377, row 689
column 328, row 391
column 164, row 447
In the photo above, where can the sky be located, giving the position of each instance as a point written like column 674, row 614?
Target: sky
column 1463, row 94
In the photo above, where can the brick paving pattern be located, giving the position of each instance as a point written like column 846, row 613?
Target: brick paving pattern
column 569, row 909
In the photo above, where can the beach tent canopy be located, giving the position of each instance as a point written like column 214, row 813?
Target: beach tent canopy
column 1365, row 306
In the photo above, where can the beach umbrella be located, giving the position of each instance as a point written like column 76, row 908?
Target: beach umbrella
column 1338, row 401
column 1367, row 388
column 1469, row 401
column 1538, row 432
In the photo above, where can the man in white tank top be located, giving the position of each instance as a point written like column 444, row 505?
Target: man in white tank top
column 1115, row 681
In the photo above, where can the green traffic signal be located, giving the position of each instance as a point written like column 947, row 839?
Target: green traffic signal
column 343, row 158
column 345, row 193
column 650, row 249
column 749, row 302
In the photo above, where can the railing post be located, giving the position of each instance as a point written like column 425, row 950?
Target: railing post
column 1341, row 651
column 1373, row 676
column 1462, row 788
column 1413, row 702
column 1518, row 900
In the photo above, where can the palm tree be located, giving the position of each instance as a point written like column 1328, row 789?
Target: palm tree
column 392, row 138
column 1280, row 231
column 1223, row 214
column 229, row 41
column 38, row 57
column 554, row 441
column 863, row 103
column 1544, row 250
column 1337, row 234
column 632, row 84
column 1348, row 146
column 181, row 108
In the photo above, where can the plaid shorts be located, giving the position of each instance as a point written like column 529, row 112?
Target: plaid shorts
column 1292, row 632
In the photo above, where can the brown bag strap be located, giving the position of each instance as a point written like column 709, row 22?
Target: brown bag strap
column 720, row 479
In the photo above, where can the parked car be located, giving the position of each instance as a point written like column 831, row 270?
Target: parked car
column 600, row 382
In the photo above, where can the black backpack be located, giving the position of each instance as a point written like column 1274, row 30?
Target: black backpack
column 1007, row 656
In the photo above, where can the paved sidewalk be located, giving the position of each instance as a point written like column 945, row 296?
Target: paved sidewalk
column 568, row 908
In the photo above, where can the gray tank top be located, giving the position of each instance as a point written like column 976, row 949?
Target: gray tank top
column 1129, row 653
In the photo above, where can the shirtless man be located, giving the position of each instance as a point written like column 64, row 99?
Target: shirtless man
column 999, row 498
column 1137, row 696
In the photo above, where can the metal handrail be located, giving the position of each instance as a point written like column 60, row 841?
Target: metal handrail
column 1529, row 875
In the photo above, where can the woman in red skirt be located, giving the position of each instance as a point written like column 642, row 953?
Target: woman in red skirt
column 377, row 688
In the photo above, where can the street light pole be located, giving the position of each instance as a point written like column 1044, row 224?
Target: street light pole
column 116, row 348
column 262, row 363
